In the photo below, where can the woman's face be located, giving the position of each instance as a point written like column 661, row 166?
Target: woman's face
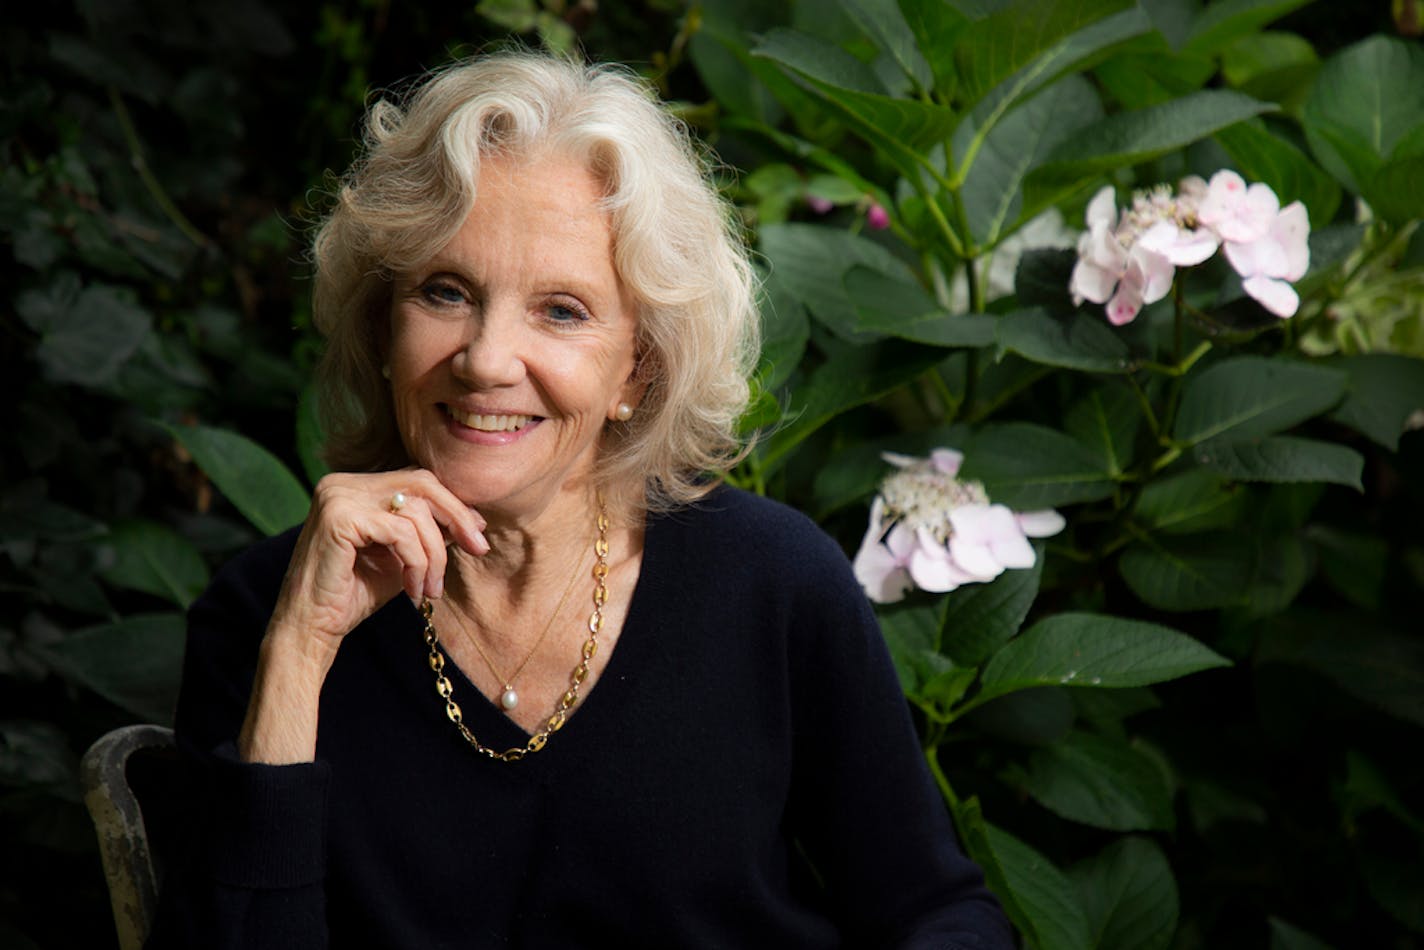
column 513, row 346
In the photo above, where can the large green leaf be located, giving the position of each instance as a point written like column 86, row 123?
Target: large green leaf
column 992, row 192
column 1384, row 391
column 1365, row 100
column 853, row 377
column 911, row 633
column 1100, row 781
column 1129, row 138
column 1376, row 665
column 809, row 261
column 1024, row 34
column 936, row 25
column 1129, row 895
column 891, row 306
column 1396, row 192
column 1251, row 395
column 1282, row 458
column 980, row 618
column 1263, row 157
column 900, row 128
column 785, row 330
column 1190, row 501
column 154, row 558
column 87, row 340
column 719, row 52
column 1107, row 420
column 1079, row 649
column 133, row 663
column 883, row 22
column 253, row 479
column 1199, row 572
column 1029, row 466
column 1044, row 893
column 1226, row 21
column 1080, row 342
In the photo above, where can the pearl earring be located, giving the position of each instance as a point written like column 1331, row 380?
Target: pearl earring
column 623, row 413
column 386, row 370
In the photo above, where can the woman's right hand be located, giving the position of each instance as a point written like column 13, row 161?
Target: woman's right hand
column 358, row 548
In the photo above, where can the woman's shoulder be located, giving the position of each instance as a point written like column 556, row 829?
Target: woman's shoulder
column 755, row 532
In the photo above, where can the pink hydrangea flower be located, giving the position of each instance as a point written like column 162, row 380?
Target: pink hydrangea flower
column 1271, row 262
column 1235, row 211
column 931, row 530
column 877, row 217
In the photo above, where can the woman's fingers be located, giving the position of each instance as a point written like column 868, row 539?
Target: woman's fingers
column 464, row 524
column 419, row 513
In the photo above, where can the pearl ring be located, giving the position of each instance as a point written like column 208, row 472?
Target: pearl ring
column 398, row 501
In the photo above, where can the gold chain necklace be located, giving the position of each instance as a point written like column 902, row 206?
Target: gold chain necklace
column 510, row 697
column 566, row 702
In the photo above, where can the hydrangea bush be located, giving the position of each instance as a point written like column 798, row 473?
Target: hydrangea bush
column 1128, row 498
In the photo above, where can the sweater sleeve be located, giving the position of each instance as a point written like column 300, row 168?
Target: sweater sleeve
column 870, row 817
column 246, row 867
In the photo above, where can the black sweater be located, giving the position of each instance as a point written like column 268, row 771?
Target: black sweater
column 744, row 774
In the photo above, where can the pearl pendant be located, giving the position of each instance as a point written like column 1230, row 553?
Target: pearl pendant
column 509, row 698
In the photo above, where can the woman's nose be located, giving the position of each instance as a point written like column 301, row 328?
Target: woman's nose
column 493, row 355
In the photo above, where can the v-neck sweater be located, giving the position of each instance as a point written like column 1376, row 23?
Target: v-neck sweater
column 743, row 774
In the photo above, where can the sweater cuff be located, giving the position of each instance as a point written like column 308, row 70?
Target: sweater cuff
column 269, row 821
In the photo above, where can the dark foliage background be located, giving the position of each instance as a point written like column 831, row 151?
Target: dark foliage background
column 160, row 166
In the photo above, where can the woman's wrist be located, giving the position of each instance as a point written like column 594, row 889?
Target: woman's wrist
column 280, row 727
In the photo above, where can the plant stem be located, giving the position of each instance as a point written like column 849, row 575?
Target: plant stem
column 150, row 181
column 932, row 757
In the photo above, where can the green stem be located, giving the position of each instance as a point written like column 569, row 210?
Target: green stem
column 945, row 789
column 1146, row 405
column 976, row 292
column 150, row 181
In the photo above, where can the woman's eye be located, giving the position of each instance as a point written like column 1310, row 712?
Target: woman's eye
column 566, row 313
column 442, row 294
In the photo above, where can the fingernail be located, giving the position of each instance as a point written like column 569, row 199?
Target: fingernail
column 482, row 545
column 437, row 589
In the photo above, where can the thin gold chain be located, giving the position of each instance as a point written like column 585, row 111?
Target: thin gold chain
column 566, row 702
column 508, row 684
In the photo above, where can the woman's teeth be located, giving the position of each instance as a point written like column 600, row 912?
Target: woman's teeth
column 488, row 423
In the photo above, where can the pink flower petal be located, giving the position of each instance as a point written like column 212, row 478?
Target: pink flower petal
column 969, row 542
column 1102, row 210
column 1292, row 230
column 1091, row 282
column 947, row 460
column 1124, row 306
column 1276, row 296
column 1043, row 523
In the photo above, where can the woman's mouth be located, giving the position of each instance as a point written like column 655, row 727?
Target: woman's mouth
column 488, row 422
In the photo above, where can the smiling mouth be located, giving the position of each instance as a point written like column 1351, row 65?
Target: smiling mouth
column 488, row 423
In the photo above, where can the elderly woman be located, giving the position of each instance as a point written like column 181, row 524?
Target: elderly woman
column 526, row 676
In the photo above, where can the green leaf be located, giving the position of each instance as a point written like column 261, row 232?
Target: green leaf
column 155, row 559
column 900, row 128
column 851, row 378
column 1199, row 572
column 253, row 479
column 785, row 330
column 134, row 663
column 974, row 836
column 1378, row 666
column 1016, row 143
column 1081, row 342
column 1251, row 395
column 1283, row 566
column 1275, row 66
column 911, row 633
column 1028, row 466
column 980, row 618
column 1228, row 21
column 1396, row 190
column 1129, row 895
column 1365, row 100
column 1354, row 565
column 1282, row 458
column 88, row 343
column 1024, row 32
column 1129, row 138
column 1099, row 781
column 808, row 263
column 893, row 307
column 1029, row 717
column 1107, row 420
column 882, row 21
column 1190, row 501
column 719, row 52
column 1384, row 391
column 1080, row 649
column 935, row 24
column 1267, row 158
column 1044, row 893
